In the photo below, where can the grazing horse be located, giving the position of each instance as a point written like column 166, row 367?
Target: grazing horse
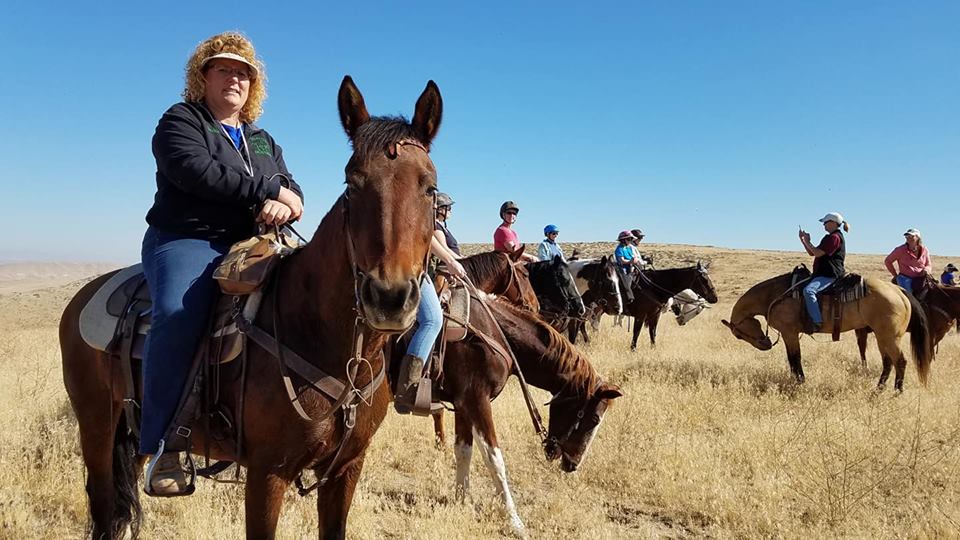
column 654, row 288
column 942, row 308
column 887, row 310
column 360, row 272
column 599, row 286
column 556, row 291
column 474, row 374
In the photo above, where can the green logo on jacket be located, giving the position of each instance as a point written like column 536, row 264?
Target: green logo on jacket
column 260, row 145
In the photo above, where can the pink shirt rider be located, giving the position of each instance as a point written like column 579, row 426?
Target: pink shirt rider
column 910, row 265
column 502, row 236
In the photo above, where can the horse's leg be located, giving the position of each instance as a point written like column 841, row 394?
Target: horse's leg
column 862, row 335
column 892, row 354
column 98, row 436
column 652, row 321
column 264, row 497
column 335, row 498
column 572, row 331
column 486, row 438
column 439, row 437
column 792, row 344
column 463, row 450
column 637, row 327
column 887, row 364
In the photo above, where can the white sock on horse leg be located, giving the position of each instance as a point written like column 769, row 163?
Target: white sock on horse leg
column 498, row 469
column 463, row 453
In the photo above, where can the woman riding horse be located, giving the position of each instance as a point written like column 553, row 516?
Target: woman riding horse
column 218, row 175
column 913, row 262
column 828, row 265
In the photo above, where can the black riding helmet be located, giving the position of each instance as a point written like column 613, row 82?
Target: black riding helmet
column 444, row 200
column 508, row 205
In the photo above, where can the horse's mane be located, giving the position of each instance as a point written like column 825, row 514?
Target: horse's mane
column 483, row 266
column 560, row 355
column 380, row 132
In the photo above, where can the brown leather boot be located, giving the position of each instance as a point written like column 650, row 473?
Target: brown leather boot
column 168, row 479
column 411, row 371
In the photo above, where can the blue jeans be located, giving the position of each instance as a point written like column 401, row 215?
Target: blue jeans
column 429, row 322
column 905, row 283
column 179, row 273
column 815, row 285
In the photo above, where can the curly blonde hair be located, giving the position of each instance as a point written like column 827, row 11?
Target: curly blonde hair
column 232, row 42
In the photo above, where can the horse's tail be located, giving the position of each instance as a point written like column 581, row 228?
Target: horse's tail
column 127, row 511
column 920, row 337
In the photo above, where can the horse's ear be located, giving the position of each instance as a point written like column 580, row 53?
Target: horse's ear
column 725, row 323
column 353, row 111
column 557, row 260
column 429, row 111
column 609, row 391
column 518, row 253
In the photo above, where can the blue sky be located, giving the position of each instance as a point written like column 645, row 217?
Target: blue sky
column 720, row 123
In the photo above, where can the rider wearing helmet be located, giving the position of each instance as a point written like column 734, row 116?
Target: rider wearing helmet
column 638, row 259
column 429, row 314
column 624, row 255
column 828, row 261
column 549, row 248
column 443, row 234
column 505, row 239
column 949, row 276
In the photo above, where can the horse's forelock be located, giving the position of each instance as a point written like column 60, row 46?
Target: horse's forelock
column 376, row 135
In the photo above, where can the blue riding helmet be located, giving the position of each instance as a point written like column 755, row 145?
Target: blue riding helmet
column 550, row 229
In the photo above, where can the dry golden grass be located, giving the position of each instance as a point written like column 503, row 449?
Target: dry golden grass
column 712, row 439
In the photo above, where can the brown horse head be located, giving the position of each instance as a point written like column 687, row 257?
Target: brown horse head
column 388, row 204
column 574, row 421
column 503, row 274
column 749, row 330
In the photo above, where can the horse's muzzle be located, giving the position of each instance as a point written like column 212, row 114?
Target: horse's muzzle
column 389, row 306
column 764, row 344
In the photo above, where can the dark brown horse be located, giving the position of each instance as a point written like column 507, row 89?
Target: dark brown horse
column 386, row 210
column 653, row 288
column 942, row 307
column 474, row 374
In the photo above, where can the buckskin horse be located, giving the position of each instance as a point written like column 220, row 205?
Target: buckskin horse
column 652, row 289
column 942, row 308
column 886, row 309
column 477, row 370
column 360, row 273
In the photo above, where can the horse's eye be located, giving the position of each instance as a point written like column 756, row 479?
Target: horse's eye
column 431, row 191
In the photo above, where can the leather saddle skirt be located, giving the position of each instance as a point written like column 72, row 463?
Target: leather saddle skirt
column 124, row 301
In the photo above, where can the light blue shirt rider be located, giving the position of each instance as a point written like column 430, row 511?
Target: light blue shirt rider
column 549, row 249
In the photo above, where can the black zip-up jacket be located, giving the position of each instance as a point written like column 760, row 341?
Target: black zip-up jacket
column 204, row 189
